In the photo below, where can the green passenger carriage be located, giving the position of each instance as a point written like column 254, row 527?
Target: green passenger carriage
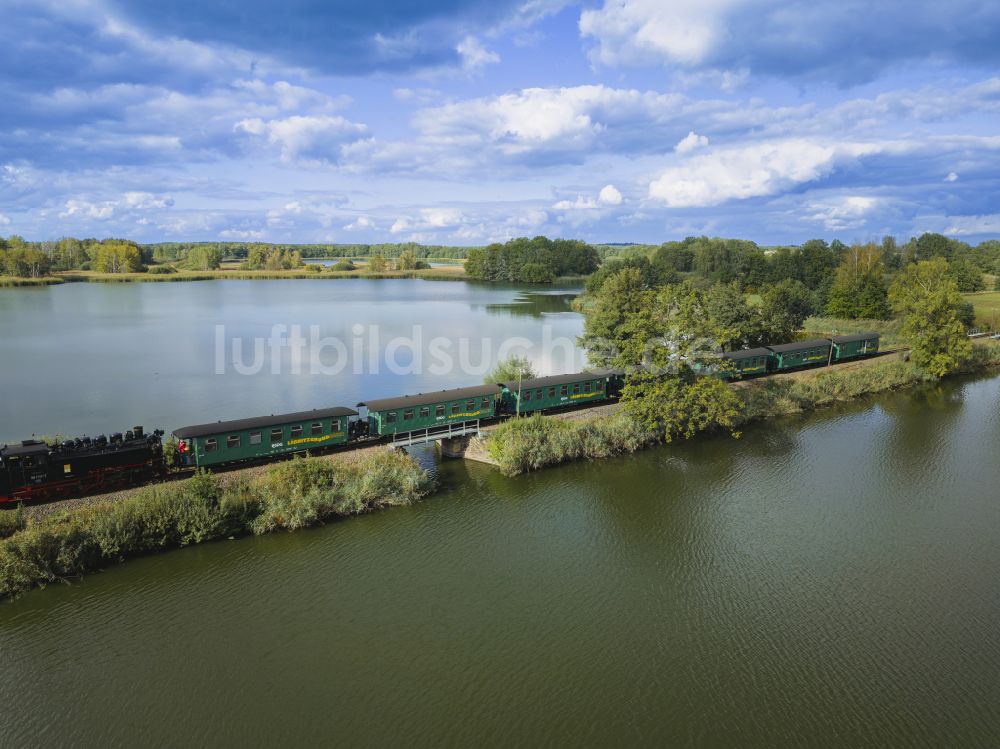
column 425, row 410
column 854, row 346
column 751, row 361
column 541, row 393
column 800, row 354
column 263, row 436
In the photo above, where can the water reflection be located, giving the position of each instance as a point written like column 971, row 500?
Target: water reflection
column 535, row 304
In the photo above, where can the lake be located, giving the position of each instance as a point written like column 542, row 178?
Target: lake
column 88, row 358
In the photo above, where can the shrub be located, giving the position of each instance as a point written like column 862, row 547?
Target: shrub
column 522, row 445
column 344, row 265
column 160, row 270
column 12, row 521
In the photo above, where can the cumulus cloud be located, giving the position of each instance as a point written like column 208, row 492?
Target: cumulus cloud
column 752, row 171
column 361, row 223
column 104, row 210
column 842, row 213
column 310, row 138
column 842, row 42
column 4, row 220
column 580, row 204
column 952, row 176
column 609, row 195
column 474, row 55
column 691, row 142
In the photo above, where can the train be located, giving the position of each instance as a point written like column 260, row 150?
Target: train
column 36, row 470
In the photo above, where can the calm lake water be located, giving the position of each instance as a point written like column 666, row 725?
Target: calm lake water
column 823, row 581
column 91, row 358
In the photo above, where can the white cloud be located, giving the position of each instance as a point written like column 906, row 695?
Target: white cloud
column 474, row 55
column 242, row 234
column 610, row 195
column 951, row 177
column 429, row 218
column 310, row 137
column 691, row 142
column 752, row 171
column 361, row 223
column 848, row 212
column 580, row 204
column 146, row 200
column 568, row 117
column 4, row 220
column 973, row 225
column 644, row 31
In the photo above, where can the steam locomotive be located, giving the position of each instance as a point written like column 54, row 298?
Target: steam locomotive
column 36, row 470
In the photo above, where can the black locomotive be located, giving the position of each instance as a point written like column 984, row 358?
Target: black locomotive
column 37, row 470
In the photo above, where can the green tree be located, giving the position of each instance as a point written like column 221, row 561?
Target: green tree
column 929, row 301
column 784, row 307
column 536, row 273
column 204, row 257
column 617, row 324
column 377, row 264
column 117, row 256
column 859, row 291
column 406, row 261
column 966, row 275
column 511, row 369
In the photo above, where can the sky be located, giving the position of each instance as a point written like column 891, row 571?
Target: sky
column 464, row 123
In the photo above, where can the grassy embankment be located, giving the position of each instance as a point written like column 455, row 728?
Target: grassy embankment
column 288, row 496
column 523, row 445
column 8, row 281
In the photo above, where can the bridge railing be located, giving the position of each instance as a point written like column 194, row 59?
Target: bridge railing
column 432, row 434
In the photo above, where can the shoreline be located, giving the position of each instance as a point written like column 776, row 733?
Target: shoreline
column 309, row 491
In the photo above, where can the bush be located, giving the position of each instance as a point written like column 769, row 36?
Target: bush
column 12, row 521
column 344, row 265
column 314, row 268
column 289, row 495
column 522, row 445
column 160, row 270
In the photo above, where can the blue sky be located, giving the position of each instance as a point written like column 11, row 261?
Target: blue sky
column 469, row 122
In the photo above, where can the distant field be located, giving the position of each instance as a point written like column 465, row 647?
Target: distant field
column 987, row 306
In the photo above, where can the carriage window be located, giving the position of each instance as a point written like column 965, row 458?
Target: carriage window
column 586, row 387
column 455, row 408
column 485, row 402
column 576, row 388
column 295, row 431
column 233, row 440
column 316, row 428
column 599, row 385
column 470, row 405
column 563, row 390
column 527, row 395
column 552, row 392
column 408, row 414
column 211, row 445
column 424, row 412
column 439, row 411
column 255, row 438
column 390, row 417
column 538, row 394
column 335, row 425
column 276, row 435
